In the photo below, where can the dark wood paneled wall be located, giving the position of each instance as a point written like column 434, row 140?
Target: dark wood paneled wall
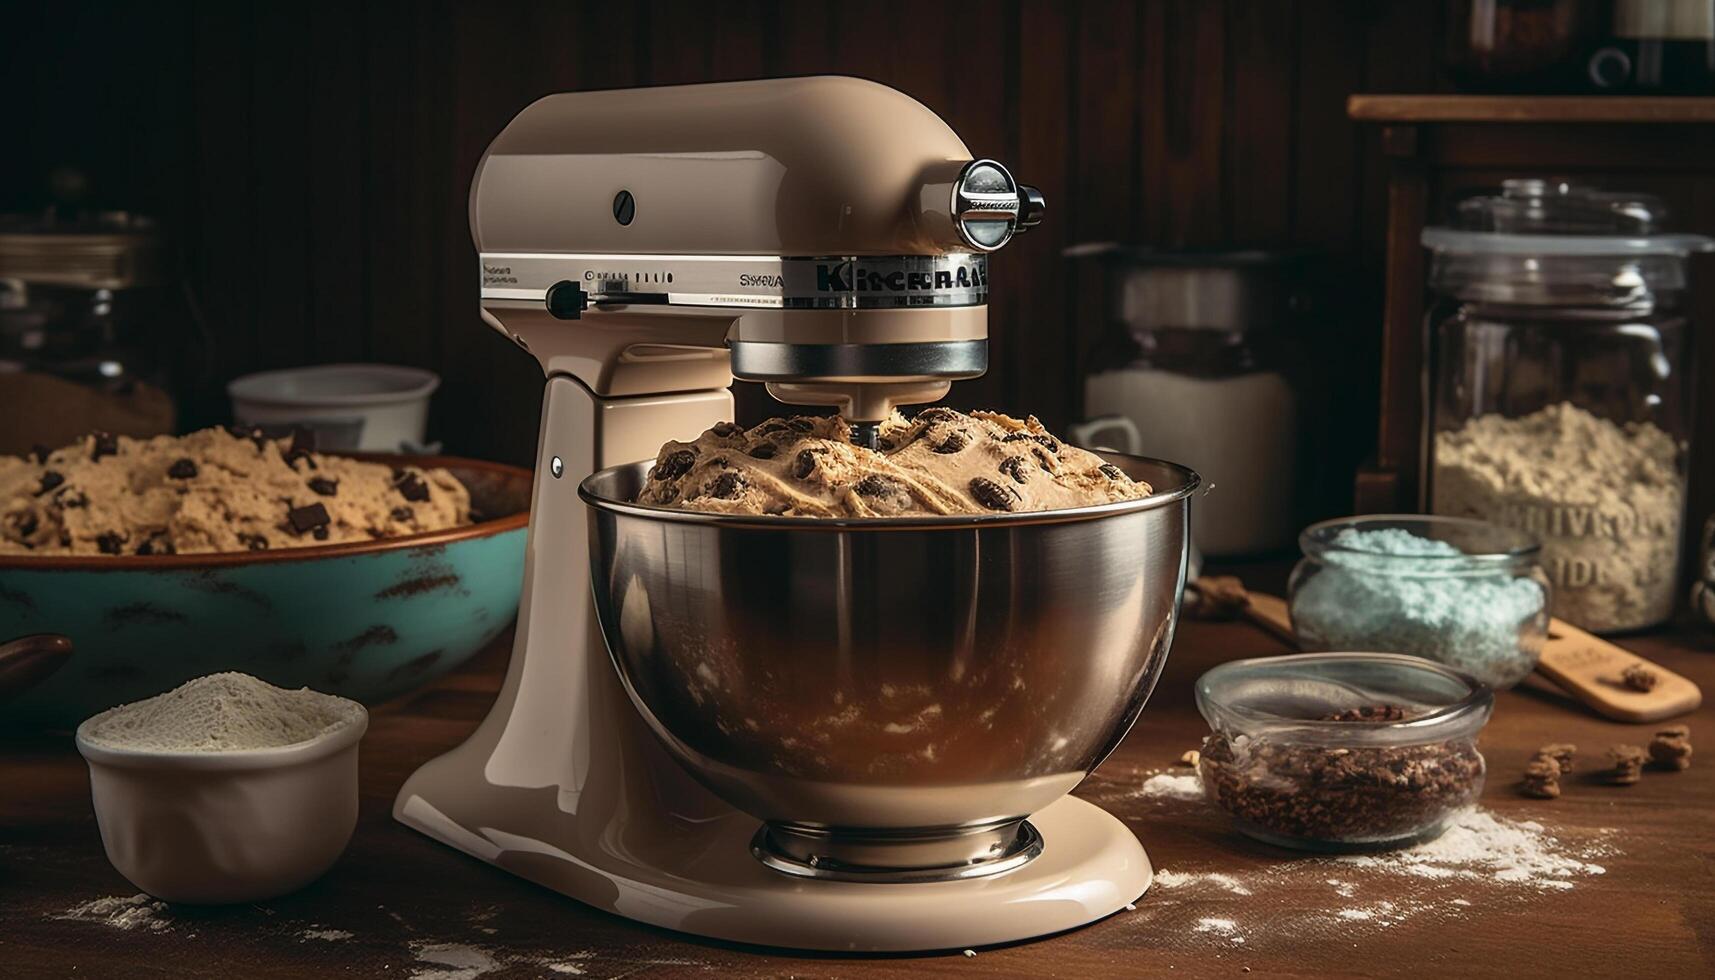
column 312, row 158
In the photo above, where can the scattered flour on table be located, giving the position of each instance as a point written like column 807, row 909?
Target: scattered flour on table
column 1173, row 786
column 451, row 961
column 1481, row 846
column 221, row 713
column 325, row 935
column 1178, row 879
column 1225, row 928
column 137, row 911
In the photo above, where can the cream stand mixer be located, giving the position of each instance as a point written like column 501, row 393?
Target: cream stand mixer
column 827, row 236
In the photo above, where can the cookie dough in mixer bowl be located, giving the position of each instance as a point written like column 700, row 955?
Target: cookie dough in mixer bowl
column 892, row 697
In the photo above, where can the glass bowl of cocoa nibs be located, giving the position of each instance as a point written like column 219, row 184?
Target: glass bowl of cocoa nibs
column 1342, row 751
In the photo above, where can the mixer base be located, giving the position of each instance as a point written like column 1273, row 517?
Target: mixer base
column 708, row 883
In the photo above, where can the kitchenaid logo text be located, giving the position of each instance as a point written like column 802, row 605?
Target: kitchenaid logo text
column 768, row 281
column 845, row 277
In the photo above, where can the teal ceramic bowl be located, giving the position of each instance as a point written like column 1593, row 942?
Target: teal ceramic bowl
column 366, row 620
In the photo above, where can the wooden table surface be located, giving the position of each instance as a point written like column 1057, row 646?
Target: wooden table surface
column 399, row 905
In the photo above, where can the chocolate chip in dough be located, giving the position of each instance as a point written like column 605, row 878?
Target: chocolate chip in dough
column 111, row 543
column 876, row 486
column 724, row 429
column 1111, row 471
column 39, row 453
column 295, row 456
column 1043, row 459
column 50, row 480
column 954, row 442
column 674, row 465
column 324, row 486
column 762, row 450
column 402, row 514
column 308, row 517
column 183, row 469
column 991, row 494
column 802, row 423
column 71, row 498
column 105, row 444
column 412, row 488
column 157, row 545
column 1016, row 467
column 255, row 542
column 804, row 464
column 725, row 487
column 24, row 522
column 320, row 533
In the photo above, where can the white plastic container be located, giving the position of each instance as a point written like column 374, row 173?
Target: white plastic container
column 380, row 408
column 219, row 828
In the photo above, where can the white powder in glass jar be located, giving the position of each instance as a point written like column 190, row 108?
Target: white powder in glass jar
column 228, row 712
column 1605, row 499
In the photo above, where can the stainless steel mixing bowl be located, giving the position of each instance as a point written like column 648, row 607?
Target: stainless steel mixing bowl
column 892, row 696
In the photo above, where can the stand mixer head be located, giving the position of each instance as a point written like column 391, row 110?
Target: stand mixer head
column 828, row 237
column 846, row 253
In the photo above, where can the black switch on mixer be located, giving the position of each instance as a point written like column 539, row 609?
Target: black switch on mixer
column 567, row 300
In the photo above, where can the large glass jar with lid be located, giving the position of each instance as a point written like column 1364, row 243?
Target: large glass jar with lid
column 1561, row 398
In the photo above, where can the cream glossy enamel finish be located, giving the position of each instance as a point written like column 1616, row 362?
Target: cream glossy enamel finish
column 823, row 235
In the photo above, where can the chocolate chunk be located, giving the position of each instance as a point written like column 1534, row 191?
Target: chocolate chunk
column 763, row 450
column 111, row 543
column 725, row 487
column 674, row 465
column 1368, row 712
column 70, row 498
column 954, row 442
column 1016, row 467
column 157, row 545
column 412, row 488
column 1043, row 459
column 303, row 441
column 802, row 423
column 50, row 480
column 308, row 517
column 876, row 486
column 991, row 494
column 39, row 453
column 724, row 429
column 402, row 514
column 295, row 456
column 104, row 444
column 183, row 469
column 24, row 522
column 324, row 486
column 804, row 464
column 255, row 542
column 1626, row 763
column 1639, row 678
column 1048, row 443
column 320, row 533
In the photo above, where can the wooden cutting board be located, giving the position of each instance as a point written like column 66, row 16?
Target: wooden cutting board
column 1588, row 667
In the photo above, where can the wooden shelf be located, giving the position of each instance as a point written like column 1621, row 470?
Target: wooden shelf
column 1530, row 109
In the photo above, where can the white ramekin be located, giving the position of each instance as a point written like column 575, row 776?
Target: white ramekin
column 216, row 828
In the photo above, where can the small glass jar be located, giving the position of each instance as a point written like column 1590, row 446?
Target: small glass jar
column 1562, row 388
column 1460, row 592
column 1341, row 751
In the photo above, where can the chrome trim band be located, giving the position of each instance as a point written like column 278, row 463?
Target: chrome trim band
column 765, row 281
column 801, row 854
column 759, row 361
